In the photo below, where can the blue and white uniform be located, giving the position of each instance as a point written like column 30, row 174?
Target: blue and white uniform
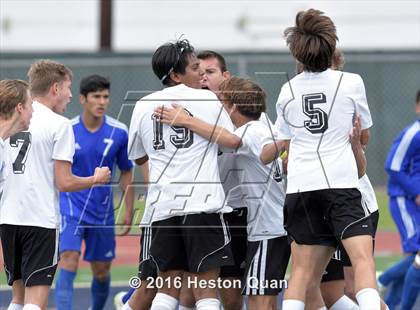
column 89, row 214
column 403, row 167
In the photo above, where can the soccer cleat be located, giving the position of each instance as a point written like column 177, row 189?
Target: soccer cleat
column 118, row 303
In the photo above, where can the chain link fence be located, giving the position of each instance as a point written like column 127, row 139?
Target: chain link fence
column 391, row 79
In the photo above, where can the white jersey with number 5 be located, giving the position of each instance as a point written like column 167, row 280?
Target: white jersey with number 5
column 184, row 177
column 316, row 111
column 30, row 197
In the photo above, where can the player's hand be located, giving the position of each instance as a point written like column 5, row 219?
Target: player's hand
column 126, row 226
column 356, row 133
column 102, row 175
column 175, row 116
column 418, row 200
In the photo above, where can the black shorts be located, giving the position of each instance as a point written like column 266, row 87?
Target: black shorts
column 237, row 223
column 147, row 267
column 193, row 243
column 30, row 254
column 340, row 259
column 266, row 267
column 324, row 217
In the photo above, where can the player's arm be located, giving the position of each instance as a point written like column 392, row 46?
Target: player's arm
column 126, row 182
column 178, row 117
column 358, row 139
column 271, row 151
column 66, row 181
column 398, row 162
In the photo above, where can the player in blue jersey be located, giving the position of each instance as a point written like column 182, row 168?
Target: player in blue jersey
column 89, row 215
column 403, row 167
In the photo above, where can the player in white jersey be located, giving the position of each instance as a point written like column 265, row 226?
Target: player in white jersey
column 185, row 199
column 268, row 250
column 323, row 205
column 15, row 114
column 39, row 165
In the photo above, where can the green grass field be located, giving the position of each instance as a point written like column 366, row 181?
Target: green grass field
column 121, row 274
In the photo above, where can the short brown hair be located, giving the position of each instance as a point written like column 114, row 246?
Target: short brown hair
column 312, row 40
column 212, row 54
column 245, row 94
column 12, row 92
column 338, row 60
column 44, row 73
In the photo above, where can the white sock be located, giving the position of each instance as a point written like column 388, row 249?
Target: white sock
column 126, row 307
column 322, row 308
column 14, row 306
column 368, row 299
column 208, row 304
column 31, row 307
column 164, row 302
column 344, row 303
column 293, row 304
column 181, row 307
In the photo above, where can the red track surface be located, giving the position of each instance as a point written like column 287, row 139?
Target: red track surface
column 128, row 248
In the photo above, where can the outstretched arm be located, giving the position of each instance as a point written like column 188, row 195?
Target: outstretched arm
column 177, row 116
column 359, row 138
column 271, row 151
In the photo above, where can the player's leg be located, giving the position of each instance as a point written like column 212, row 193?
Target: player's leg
column 206, row 240
column 12, row 258
column 186, row 296
column 332, row 283
column 394, row 276
column 237, row 222
column 411, row 285
column 100, row 251
column 167, row 251
column 39, row 263
column 70, row 242
column 312, row 247
column 266, row 268
column 141, row 298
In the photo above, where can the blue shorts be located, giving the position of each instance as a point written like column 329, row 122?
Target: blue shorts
column 99, row 241
column 406, row 215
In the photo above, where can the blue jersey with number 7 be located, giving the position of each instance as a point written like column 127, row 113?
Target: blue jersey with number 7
column 106, row 147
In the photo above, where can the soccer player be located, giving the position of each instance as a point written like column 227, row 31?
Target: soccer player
column 89, row 214
column 403, row 168
column 268, row 249
column 15, row 114
column 40, row 167
column 185, row 202
column 215, row 72
column 323, row 205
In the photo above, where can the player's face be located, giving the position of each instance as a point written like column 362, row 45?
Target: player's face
column 25, row 111
column 63, row 91
column 96, row 103
column 193, row 73
column 213, row 75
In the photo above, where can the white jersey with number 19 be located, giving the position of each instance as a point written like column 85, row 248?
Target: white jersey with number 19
column 184, row 177
column 316, row 111
column 30, row 197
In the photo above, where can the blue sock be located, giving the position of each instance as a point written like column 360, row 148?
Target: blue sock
column 64, row 290
column 127, row 296
column 393, row 295
column 411, row 288
column 100, row 292
column 397, row 271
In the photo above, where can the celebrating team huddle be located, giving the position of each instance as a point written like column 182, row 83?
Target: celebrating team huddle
column 231, row 197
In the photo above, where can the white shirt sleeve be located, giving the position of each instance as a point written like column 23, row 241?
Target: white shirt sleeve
column 283, row 129
column 362, row 108
column 135, row 144
column 254, row 138
column 64, row 143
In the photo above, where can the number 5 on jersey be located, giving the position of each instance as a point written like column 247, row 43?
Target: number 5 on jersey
column 318, row 122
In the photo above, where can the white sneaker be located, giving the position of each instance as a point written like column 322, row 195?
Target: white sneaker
column 118, row 303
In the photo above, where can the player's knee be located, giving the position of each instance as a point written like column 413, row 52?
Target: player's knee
column 101, row 274
column 232, row 303
column 69, row 260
